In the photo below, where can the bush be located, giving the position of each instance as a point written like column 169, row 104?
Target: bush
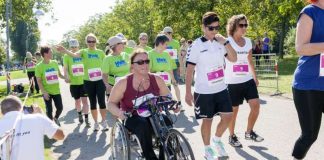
column 289, row 44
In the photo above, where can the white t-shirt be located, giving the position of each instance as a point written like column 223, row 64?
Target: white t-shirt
column 28, row 142
column 208, row 58
column 239, row 71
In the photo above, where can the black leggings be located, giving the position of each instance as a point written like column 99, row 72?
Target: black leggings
column 142, row 128
column 310, row 106
column 58, row 105
column 96, row 90
column 31, row 76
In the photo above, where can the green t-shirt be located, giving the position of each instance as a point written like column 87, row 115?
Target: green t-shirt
column 92, row 61
column 115, row 66
column 49, row 75
column 128, row 50
column 30, row 65
column 147, row 48
column 173, row 49
column 161, row 63
column 75, row 69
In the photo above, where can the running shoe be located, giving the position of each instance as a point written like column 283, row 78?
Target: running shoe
column 253, row 136
column 96, row 126
column 88, row 125
column 104, row 125
column 210, row 154
column 233, row 141
column 219, row 146
column 80, row 118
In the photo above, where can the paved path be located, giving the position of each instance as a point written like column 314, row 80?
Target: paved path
column 277, row 123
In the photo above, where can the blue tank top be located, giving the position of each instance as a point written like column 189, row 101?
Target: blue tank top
column 307, row 71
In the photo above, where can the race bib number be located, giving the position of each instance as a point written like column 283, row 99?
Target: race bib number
column 321, row 65
column 173, row 53
column 165, row 76
column 95, row 74
column 77, row 70
column 215, row 75
column 30, row 65
column 138, row 101
column 241, row 69
column 51, row 77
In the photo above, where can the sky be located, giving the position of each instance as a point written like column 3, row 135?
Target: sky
column 70, row 14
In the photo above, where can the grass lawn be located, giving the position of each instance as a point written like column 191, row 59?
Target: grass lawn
column 15, row 75
column 286, row 68
column 37, row 99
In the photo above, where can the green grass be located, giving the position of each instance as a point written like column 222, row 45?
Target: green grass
column 33, row 99
column 15, row 75
column 286, row 68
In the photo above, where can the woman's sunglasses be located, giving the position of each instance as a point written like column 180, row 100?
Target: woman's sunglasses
column 141, row 62
column 243, row 25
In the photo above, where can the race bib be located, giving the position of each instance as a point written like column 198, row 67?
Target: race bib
column 138, row 101
column 165, row 76
column 95, row 74
column 30, row 65
column 173, row 53
column 321, row 65
column 51, row 77
column 77, row 70
column 215, row 75
column 241, row 69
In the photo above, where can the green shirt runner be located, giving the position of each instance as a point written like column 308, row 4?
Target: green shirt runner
column 92, row 61
column 173, row 49
column 161, row 62
column 49, row 76
column 115, row 66
column 30, row 65
column 75, row 69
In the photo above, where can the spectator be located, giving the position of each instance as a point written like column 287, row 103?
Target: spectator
column 257, row 51
column 266, row 47
column 28, row 140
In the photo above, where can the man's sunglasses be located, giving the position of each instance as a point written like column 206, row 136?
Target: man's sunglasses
column 91, row 41
column 243, row 25
column 141, row 62
column 211, row 28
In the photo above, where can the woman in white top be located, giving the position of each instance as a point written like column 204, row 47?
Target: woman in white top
column 241, row 78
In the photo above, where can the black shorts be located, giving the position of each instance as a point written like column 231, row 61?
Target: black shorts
column 209, row 105
column 238, row 92
column 77, row 91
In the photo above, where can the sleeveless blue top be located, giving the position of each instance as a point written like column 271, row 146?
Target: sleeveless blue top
column 307, row 71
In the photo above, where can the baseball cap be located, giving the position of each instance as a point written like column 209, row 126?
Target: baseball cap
column 143, row 35
column 73, row 43
column 167, row 29
column 131, row 43
column 112, row 41
column 122, row 37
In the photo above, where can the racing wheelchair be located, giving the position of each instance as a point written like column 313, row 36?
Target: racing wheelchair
column 126, row 146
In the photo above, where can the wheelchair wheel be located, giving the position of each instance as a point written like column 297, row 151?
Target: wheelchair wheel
column 119, row 142
column 178, row 148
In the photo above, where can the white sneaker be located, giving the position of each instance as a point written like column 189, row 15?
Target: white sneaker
column 96, row 126
column 219, row 146
column 104, row 125
column 210, row 154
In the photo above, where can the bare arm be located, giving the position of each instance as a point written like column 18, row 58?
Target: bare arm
column 40, row 85
column 164, row 90
column 115, row 97
column 65, row 51
column 66, row 75
column 59, row 135
column 231, row 53
column 189, row 76
column 303, row 35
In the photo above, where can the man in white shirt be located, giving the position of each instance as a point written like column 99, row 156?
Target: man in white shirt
column 206, row 57
column 28, row 139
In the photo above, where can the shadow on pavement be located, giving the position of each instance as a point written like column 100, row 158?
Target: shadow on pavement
column 263, row 101
column 184, row 122
column 244, row 154
column 69, row 117
column 260, row 150
column 89, row 146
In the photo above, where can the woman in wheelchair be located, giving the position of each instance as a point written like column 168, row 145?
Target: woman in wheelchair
column 131, row 90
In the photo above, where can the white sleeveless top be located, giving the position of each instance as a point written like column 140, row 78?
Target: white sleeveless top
column 239, row 72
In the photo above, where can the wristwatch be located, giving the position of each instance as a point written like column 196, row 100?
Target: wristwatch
column 227, row 42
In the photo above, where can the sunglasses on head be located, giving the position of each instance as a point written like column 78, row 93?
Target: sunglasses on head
column 243, row 25
column 91, row 41
column 211, row 28
column 141, row 62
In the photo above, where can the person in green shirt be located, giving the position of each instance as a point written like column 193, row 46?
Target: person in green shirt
column 116, row 64
column 143, row 40
column 73, row 73
column 127, row 49
column 47, row 74
column 161, row 64
column 95, row 88
column 30, row 63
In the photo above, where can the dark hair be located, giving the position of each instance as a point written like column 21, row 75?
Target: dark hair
column 136, row 53
column 160, row 39
column 189, row 41
column 44, row 49
column 10, row 103
column 37, row 54
column 233, row 23
column 209, row 17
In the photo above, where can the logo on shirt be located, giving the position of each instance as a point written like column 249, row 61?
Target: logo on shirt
column 120, row 63
column 93, row 56
column 242, row 52
column 76, row 60
column 169, row 47
column 161, row 60
column 50, row 70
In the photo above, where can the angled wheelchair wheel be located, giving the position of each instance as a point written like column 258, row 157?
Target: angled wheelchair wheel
column 178, row 148
column 119, row 142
